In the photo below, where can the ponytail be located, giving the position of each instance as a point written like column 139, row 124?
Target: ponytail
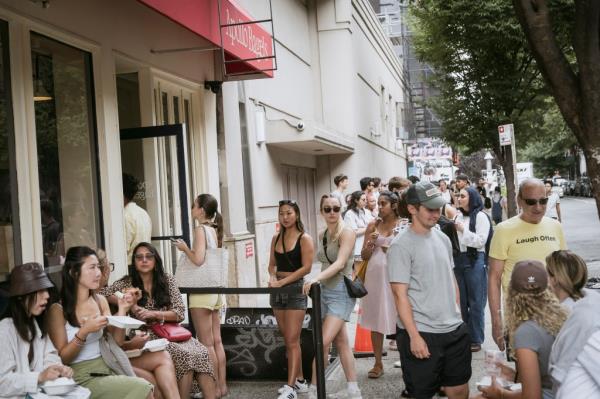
column 217, row 223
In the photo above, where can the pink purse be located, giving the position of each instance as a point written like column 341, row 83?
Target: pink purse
column 172, row 332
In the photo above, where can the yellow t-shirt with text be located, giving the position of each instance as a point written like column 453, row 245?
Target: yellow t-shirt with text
column 516, row 240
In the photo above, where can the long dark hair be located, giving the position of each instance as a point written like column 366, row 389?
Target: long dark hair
column 210, row 206
column 18, row 309
column 296, row 208
column 354, row 198
column 160, row 286
column 71, row 272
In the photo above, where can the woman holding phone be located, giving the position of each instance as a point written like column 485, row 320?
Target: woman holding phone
column 206, row 308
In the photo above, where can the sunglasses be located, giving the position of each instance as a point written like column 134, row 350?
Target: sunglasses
column 144, row 256
column 328, row 209
column 532, row 202
column 287, row 202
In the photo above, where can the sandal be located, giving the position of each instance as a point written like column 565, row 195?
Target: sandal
column 375, row 372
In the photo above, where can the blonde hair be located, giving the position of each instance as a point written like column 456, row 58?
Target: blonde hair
column 102, row 258
column 543, row 308
column 569, row 272
column 339, row 226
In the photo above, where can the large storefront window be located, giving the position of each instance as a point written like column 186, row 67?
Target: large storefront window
column 9, row 232
column 65, row 131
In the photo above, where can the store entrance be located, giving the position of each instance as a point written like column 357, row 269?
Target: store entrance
column 156, row 156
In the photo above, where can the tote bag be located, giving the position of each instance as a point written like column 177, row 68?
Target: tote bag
column 212, row 273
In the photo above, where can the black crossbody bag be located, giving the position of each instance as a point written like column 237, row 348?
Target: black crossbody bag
column 356, row 288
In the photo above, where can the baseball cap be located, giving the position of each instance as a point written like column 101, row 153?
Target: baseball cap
column 426, row 194
column 529, row 277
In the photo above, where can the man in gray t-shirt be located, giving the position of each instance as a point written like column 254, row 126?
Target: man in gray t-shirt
column 433, row 341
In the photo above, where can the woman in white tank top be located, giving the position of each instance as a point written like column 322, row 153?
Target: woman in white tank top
column 77, row 324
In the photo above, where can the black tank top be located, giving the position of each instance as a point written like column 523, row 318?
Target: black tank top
column 289, row 261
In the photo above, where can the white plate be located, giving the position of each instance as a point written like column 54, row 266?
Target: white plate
column 59, row 386
column 156, row 345
column 124, row 322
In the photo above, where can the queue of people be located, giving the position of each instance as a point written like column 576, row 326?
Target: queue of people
column 430, row 297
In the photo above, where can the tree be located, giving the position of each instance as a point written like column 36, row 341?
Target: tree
column 485, row 74
column 574, row 82
column 556, row 154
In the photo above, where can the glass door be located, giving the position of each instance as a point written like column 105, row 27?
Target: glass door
column 157, row 157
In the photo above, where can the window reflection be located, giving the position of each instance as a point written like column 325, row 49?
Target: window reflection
column 65, row 133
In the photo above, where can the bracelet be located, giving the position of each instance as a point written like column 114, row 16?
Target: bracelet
column 79, row 338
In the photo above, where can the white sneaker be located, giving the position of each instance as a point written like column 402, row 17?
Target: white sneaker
column 299, row 386
column 397, row 364
column 287, row 392
column 345, row 394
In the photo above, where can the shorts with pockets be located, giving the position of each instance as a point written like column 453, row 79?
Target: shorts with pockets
column 449, row 363
column 290, row 301
column 336, row 301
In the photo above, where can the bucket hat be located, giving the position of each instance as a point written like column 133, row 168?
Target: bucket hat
column 28, row 278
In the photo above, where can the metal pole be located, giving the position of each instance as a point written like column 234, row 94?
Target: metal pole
column 315, row 294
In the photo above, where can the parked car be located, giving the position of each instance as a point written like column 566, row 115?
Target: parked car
column 559, row 190
column 571, row 187
column 583, row 187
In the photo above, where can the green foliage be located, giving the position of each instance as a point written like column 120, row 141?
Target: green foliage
column 554, row 153
column 484, row 71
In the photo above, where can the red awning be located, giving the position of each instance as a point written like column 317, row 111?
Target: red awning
column 248, row 47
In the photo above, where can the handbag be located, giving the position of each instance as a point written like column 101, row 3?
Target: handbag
column 355, row 288
column 212, row 273
column 360, row 270
column 173, row 332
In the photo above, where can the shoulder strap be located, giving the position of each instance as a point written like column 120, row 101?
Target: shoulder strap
column 325, row 247
column 210, row 240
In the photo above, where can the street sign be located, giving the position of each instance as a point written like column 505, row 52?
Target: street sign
column 506, row 133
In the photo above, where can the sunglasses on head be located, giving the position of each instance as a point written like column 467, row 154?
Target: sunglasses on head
column 532, row 202
column 328, row 209
column 287, row 202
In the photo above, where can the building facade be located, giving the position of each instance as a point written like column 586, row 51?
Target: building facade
column 336, row 105
column 91, row 90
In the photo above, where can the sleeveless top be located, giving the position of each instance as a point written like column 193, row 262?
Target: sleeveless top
column 91, row 349
column 289, row 261
column 333, row 249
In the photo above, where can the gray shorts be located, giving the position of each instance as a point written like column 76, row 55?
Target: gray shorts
column 336, row 302
column 289, row 301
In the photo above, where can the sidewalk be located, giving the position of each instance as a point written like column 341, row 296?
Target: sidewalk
column 388, row 386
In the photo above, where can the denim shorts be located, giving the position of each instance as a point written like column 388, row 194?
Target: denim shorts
column 290, row 301
column 336, row 302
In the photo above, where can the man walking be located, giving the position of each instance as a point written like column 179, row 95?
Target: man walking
column 138, row 226
column 341, row 184
column 433, row 341
column 528, row 235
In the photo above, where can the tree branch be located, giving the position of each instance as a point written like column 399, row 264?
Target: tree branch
column 554, row 66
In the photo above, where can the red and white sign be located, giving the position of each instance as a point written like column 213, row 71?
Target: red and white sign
column 239, row 42
column 249, row 250
column 506, row 133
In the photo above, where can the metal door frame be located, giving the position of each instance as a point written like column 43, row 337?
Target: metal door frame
column 177, row 130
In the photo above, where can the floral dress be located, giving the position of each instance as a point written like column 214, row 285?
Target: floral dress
column 187, row 356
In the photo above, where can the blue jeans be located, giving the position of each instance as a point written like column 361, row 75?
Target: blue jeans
column 471, row 276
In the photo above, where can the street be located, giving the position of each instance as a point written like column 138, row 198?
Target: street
column 582, row 231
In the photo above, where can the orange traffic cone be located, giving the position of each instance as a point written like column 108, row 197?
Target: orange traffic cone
column 363, row 347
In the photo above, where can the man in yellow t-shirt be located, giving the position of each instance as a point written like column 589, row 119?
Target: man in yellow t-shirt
column 528, row 235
